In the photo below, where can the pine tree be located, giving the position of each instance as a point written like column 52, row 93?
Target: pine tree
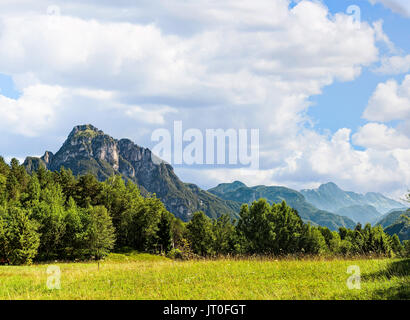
column 22, row 239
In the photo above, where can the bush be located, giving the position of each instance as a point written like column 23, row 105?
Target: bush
column 175, row 254
column 406, row 248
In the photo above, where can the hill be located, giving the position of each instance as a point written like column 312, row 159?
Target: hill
column 401, row 227
column 391, row 218
column 239, row 192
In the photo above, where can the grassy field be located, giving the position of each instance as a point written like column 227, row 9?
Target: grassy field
column 142, row 276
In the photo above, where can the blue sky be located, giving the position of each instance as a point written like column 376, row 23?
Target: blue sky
column 331, row 102
column 350, row 98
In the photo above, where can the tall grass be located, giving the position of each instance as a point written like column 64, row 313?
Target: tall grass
column 143, row 276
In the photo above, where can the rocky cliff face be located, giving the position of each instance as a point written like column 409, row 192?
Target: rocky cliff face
column 89, row 150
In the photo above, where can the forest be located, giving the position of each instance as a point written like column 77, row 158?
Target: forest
column 48, row 216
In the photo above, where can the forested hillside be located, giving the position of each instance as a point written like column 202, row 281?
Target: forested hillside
column 49, row 215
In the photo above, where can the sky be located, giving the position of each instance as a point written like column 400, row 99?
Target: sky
column 326, row 83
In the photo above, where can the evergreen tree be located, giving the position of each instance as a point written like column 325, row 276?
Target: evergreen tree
column 21, row 238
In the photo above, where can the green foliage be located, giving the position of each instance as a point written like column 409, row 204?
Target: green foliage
column 406, row 251
column 57, row 216
column 100, row 233
column 313, row 241
column 200, row 234
column 225, row 235
column 165, row 232
column 20, row 239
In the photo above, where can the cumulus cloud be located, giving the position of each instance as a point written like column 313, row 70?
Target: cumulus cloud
column 33, row 112
column 380, row 137
column 394, row 65
column 390, row 101
column 230, row 64
column 319, row 159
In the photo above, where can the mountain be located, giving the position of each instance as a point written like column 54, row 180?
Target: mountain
column 89, row 150
column 239, row 192
column 397, row 222
column 331, row 198
column 363, row 214
column 391, row 218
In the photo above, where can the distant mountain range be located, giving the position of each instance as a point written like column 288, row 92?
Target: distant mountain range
column 361, row 208
column 239, row 192
column 89, row 150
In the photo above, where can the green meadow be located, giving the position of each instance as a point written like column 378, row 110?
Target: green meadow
column 144, row 276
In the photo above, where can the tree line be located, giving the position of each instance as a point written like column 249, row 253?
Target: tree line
column 47, row 216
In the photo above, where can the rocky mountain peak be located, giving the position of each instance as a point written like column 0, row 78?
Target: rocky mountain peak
column 89, row 150
column 47, row 157
column 330, row 186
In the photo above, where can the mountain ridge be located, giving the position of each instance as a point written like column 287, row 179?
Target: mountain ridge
column 238, row 191
column 332, row 198
column 89, row 150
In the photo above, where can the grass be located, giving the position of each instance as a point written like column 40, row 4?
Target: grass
column 143, row 276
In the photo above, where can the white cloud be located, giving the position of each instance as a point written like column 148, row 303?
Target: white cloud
column 381, row 137
column 394, row 65
column 153, row 116
column 33, row 112
column 390, row 101
column 319, row 159
column 234, row 63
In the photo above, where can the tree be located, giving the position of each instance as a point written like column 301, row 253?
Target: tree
column 164, row 233
column 49, row 212
column 21, row 238
column 225, row 235
column 396, row 245
column 33, row 189
column 256, row 227
column 73, row 240
column 406, row 251
column 313, row 241
column 3, row 241
column 178, row 231
column 4, row 168
column 288, row 228
column 88, row 191
column 200, row 234
column 101, row 233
